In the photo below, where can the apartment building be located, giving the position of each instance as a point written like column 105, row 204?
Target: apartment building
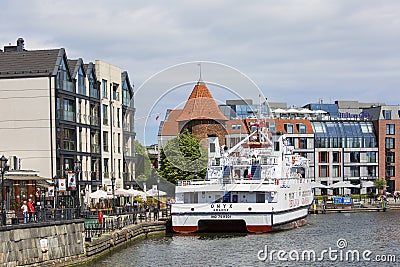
column 57, row 112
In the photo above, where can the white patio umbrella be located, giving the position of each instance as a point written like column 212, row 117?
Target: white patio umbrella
column 137, row 193
column 279, row 110
column 123, row 192
column 305, row 111
column 318, row 185
column 368, row 184
column 292, row 110
column 99, row 194
column 154, row 193
column 344, row 184
column 318, row 111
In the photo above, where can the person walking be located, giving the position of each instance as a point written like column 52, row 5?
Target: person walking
column 24, row 209
column 31, row 210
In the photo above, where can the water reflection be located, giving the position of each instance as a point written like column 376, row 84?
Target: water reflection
column 375, row 231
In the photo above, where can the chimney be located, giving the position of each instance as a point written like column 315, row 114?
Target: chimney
column 20, row 44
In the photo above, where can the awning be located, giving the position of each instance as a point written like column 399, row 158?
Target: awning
column 24, row 177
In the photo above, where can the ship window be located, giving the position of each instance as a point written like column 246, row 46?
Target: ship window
column 260, row 198
column 212, row 147
column 276, row 146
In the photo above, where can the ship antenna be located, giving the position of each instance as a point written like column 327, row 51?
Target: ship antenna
column 200, row 79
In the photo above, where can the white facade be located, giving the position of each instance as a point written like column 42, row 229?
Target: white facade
column 27, row 122
column 111, row 122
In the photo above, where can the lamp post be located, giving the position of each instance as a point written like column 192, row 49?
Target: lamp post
column 78, row 167
column 3, row 169
column 158, row 195
column 113, row 191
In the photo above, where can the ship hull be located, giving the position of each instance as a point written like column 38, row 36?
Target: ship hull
column 231, row 221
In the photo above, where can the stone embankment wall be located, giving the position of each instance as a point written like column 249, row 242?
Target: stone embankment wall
column 25, row 244
column 105, row 243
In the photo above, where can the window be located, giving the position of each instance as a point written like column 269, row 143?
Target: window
column 336, row 157
column 389, row 171
column 69, row 139
column 389, row 143
column 106, row 172
column 81, row 83
column 212, row 147
column 64, row 79
column 115, row 92
column 302, row 128
column 119, row 143
column 94, row 114
column 303, row 143
column 336, row 171
column 387, row 114
column 105, row 115
column 118, row 121
column 323, row 171
column 389, row 128
column 236, row 126
column 94, row 142
column 371, row 171
column 355, row 171
column 126, row 99
column 323, row 157
column 371, row 157
column 389, row 157
column 104, row 89
column 355, row 156
column 289, row 128
column 93, row 87
column 105, row 141
column 69, row 110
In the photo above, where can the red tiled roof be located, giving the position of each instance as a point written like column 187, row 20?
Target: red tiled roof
column 280, row 125
column 170, row 126
column 242, row 130
column 201, row 106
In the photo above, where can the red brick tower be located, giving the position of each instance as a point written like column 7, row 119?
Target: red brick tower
column 201, row 115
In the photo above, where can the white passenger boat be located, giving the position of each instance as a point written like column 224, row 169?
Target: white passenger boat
column 258, row 186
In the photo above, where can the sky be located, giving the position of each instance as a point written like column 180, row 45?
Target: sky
column 296, row 51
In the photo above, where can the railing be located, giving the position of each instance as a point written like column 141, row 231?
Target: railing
column 41, row 216
column 123, row 218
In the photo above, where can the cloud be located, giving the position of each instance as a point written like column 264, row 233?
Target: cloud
column 296, row 51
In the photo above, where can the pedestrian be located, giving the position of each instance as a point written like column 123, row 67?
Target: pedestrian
column 147, row 212
column 24, row 209
column 395, row 197
column 38, row 211
column 135, row 205
column 31, row 210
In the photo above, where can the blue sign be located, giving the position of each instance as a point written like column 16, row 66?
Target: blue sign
column 342, row 200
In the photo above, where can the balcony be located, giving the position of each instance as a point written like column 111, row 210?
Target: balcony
column 95, row 93
column 68, row 115
column 67, row 86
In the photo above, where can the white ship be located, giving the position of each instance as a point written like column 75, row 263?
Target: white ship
column 258, row 186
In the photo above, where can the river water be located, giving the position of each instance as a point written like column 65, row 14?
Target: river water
column 374, row 236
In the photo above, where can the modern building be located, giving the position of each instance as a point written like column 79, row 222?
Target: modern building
column 62, row 116
column 386, row 120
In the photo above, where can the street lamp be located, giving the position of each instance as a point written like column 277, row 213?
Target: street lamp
column 78, row 167
column 113, row 191
column 158, row 195
column 3, row 169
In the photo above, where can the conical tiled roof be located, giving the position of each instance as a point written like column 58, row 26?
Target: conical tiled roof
column 201, row 106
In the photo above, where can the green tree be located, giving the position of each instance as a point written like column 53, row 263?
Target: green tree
column 182, row 158
column 380, row 184
column 143, row 164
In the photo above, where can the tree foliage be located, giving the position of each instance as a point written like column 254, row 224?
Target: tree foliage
column 143, row 164
column 380, row 184
column 182, row 158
